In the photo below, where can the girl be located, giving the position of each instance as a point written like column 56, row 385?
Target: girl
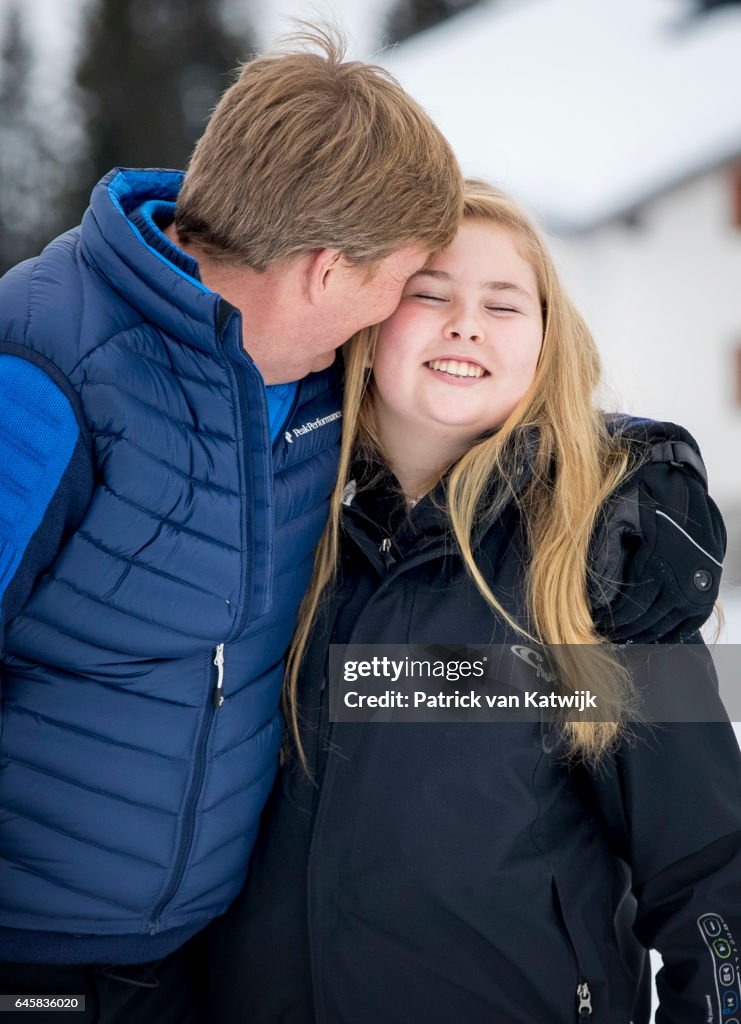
column 496, row 873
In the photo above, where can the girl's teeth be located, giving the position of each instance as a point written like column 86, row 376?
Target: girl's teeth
column 456, row 368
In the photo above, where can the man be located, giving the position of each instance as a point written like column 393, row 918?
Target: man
column 168, row 441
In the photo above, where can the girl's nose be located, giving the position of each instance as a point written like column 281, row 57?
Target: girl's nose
column 464, row 329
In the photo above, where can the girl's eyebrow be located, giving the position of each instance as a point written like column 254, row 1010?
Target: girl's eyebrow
column 497, row 286
column 505, row 286
column 431, row 273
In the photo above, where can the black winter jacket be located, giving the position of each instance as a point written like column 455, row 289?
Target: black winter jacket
column 440, row 873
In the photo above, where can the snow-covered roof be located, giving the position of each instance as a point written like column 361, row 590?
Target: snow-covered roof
column 583, row 108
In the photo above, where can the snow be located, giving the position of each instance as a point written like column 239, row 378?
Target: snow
column 581, row 109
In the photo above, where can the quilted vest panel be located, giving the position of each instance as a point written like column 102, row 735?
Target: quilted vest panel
column 130, row 798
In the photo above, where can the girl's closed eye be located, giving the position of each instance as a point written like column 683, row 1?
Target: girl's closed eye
column 432, row 298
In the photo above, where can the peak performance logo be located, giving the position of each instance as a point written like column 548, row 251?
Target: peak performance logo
column 305, row 428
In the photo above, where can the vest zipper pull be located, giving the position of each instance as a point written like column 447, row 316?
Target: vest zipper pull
column 219, row 663
column 584, row 1009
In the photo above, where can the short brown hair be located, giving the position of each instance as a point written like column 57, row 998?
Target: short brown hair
column 308, row 151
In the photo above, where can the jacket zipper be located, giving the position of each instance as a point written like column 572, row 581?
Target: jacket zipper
column 385, row 549
column 583, row 993
column 191, row 801
column 387, row 560
column 584, row 1009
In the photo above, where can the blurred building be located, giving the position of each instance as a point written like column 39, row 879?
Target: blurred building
column 618, row 124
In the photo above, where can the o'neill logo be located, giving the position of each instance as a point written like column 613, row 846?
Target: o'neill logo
column 305, row 428
column 534, row 660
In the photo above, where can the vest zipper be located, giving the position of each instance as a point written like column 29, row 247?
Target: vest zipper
column 219, row 688
column 194, row 792
column 257, row 480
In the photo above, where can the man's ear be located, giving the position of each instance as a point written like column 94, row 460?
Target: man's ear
column 322, row 267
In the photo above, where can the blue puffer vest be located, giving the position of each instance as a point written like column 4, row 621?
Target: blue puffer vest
column 141, row 679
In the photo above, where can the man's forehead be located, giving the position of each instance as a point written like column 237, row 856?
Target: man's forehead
column 412, row 259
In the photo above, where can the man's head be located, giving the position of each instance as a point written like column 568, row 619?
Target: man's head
column 307, row 152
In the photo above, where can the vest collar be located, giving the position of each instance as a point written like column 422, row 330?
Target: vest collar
column 151, row 274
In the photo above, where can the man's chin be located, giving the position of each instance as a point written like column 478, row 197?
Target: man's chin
column 287, row 376
column 323, row 362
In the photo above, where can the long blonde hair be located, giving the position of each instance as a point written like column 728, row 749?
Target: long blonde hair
column 576, row 464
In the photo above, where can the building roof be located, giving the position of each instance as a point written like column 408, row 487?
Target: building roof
column 583, row 109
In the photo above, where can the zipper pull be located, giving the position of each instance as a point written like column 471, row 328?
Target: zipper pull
column 584, row 1009
column 385, row 549
column 219, row 663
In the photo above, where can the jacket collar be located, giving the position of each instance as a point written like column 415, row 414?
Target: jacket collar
column 377, row 519
column 376, row 514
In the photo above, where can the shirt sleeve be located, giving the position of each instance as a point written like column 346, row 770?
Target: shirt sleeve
column 44, row 474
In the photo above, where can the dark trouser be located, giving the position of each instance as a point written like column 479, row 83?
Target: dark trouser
column 168, row 991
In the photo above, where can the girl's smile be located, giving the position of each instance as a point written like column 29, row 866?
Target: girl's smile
column 461, row 350
column 457, row 369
